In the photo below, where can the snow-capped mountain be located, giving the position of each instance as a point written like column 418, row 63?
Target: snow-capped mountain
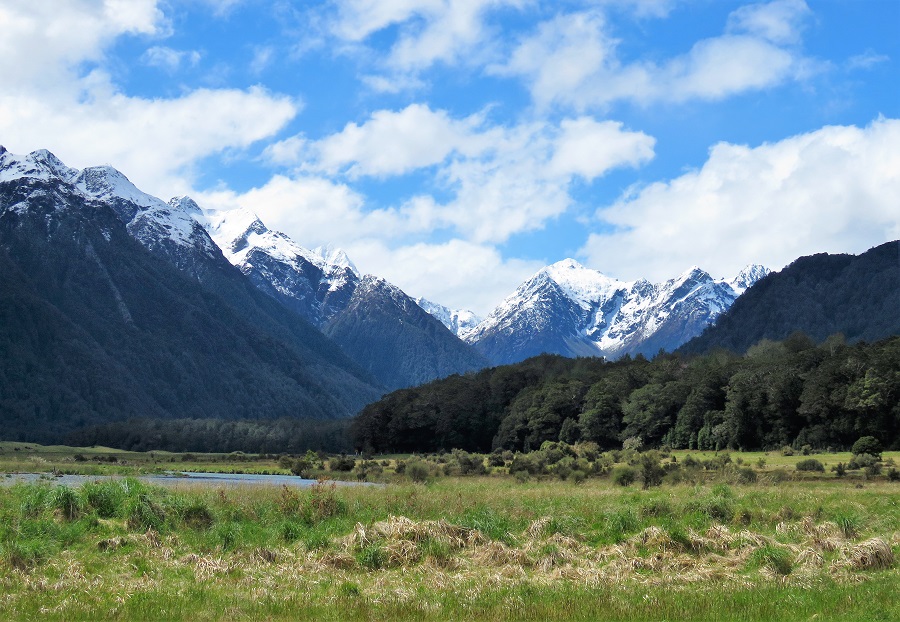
column 118, row 305
column 377, row 325
column 460, row 322
column 316, row 284
column 571, row 310
column 167, row 230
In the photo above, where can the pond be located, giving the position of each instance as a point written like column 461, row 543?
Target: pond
column 176, row 479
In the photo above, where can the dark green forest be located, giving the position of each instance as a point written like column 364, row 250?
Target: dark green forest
column 284, row 435
column 791, row 392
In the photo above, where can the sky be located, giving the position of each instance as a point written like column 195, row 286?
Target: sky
column 455, row 147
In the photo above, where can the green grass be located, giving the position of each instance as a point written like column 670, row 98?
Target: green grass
column 471, row 549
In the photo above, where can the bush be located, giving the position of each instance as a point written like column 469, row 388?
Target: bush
column 787, row 450
column 341, row 463
column 810, row 464
column 893, row 475
column 651, row 473
column 624, row 475
column 867, row 445
column 863, row 461
column 417, row 472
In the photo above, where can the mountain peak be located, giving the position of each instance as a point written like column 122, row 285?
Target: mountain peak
column 336, row 257
column 747, row 277
column 40, row 164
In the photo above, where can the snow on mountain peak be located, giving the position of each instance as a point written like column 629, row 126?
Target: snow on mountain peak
column 581, row 284
column 40, row 164
column 460, row 322
column 106, row 183
column 747, row 277
column 336, row 257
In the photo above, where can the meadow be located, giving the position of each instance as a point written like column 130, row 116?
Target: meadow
column 788, row 546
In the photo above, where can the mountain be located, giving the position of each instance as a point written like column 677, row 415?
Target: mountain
column 115, row 305
column 820, row 295
column 395, row 340
column 460, row 322
column 571, row 310
column 376, row 324
column 315, row 284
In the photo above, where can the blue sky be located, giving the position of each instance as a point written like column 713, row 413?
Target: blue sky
column 455, row 147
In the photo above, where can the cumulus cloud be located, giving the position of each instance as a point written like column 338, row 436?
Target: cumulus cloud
column 50, row 101
column 834, row 190
column 503, row 180
column 427, row 32
column 388, row 143
column 48, row 40
column 573, row 60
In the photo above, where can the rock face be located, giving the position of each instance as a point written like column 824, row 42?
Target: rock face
column 571, row 310
column 117, row 305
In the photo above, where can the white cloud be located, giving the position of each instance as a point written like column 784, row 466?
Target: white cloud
column 780, row 21
column 428, row 32
column 48, row 101
column 573, row 60
column 457, row 273
column 388, row 143
column 590, row 148
column 48, row 40
column 832, row 190
column 504, row 180
column 169, row 59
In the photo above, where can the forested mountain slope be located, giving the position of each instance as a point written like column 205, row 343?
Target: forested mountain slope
column 820, row 295
column 110, row 310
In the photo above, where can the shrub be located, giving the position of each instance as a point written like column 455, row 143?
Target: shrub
column 341, row 463
column 787, row 450
column 867, row 445
column 651, row 473
column 624, row 475
column 862, row 461
column 893, row 475
column 839, row 469
column 633, row 443
column 810, row 464
column 417, row 471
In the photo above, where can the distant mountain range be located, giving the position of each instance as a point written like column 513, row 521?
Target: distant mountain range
column 571, row 310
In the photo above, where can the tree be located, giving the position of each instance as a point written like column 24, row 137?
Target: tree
column 867, row 445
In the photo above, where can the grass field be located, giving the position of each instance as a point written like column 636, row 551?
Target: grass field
column 474, row 548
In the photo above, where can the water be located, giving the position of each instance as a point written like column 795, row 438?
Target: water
column 226, row 480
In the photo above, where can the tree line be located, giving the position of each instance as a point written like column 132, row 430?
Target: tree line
column 790, row 392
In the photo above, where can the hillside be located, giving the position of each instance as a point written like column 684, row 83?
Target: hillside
column 819, row 295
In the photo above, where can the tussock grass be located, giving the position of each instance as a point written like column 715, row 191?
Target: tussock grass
column 455, row 549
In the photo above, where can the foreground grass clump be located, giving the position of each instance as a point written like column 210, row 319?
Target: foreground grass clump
column 474, row 549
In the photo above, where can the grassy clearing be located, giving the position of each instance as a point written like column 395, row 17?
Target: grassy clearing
column 459, row 548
